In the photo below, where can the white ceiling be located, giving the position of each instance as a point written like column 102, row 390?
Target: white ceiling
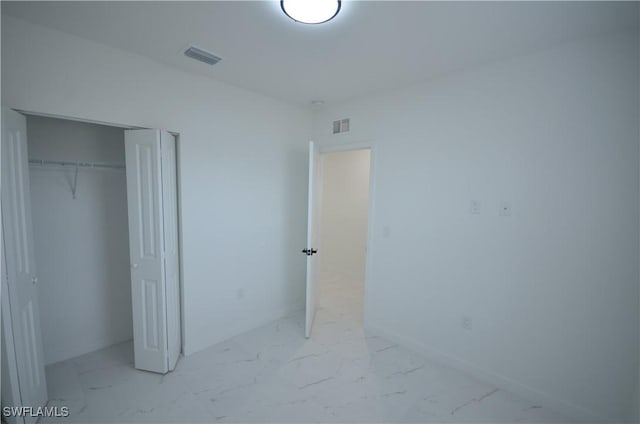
column 370, row 46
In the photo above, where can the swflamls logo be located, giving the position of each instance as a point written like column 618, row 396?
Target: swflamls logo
column 40, row 411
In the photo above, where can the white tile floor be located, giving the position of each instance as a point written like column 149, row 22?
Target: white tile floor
column 274, row 374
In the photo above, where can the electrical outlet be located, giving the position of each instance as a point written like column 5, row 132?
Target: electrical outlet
column 240, row 294
column 467, row 323
column 386, row 231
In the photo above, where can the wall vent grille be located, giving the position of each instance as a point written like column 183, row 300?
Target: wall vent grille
column 341, row 126
column 202, row 55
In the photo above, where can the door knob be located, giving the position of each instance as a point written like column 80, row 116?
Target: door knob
column 134, row 266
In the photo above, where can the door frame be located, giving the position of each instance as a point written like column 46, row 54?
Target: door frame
column 346, row 147
column 178, row 194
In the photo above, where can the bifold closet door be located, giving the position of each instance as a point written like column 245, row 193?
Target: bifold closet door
column 153, row 239
column 20, row 268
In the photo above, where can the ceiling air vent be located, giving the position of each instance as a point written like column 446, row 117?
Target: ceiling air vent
column 202, row 55
column 340, row 126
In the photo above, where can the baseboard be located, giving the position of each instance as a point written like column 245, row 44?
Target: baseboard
column 568, row 409
column 187, row 350
column 59, row 354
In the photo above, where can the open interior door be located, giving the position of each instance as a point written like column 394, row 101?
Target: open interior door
column 153, row 240
column 20, row 268
column 312, row 250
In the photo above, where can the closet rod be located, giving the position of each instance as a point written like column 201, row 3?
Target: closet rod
column 76, row 164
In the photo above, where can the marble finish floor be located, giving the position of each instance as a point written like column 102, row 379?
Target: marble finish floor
column 274, row 374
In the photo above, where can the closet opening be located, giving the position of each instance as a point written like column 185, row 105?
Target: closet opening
column 79, row 212
column 344, row 221
column 91, row 274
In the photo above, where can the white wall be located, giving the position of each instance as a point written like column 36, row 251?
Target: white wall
column 345, row 203
column 242, row 160
column 552, row 289
column 81, row 244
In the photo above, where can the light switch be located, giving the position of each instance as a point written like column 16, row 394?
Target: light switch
column 474, row 207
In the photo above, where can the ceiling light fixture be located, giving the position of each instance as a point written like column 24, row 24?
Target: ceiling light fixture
column 311, row 11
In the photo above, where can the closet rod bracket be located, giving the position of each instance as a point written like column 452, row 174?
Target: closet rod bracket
column 75, row 183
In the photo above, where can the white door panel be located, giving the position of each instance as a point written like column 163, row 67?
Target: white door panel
column 20, row 261
column 312, row 249
column 10, row 385
column 171, row 249
column 151, row 194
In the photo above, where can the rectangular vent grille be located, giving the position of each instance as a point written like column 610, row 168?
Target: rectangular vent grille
column 202, row 55
column 340, row 126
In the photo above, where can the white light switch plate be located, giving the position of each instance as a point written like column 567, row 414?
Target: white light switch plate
column 474, row 207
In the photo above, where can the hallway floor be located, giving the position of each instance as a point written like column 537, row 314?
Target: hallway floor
column 274, row 374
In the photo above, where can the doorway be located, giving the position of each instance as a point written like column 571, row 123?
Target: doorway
column 344, row 226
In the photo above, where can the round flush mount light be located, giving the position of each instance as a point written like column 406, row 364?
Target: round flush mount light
column 311, row 11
